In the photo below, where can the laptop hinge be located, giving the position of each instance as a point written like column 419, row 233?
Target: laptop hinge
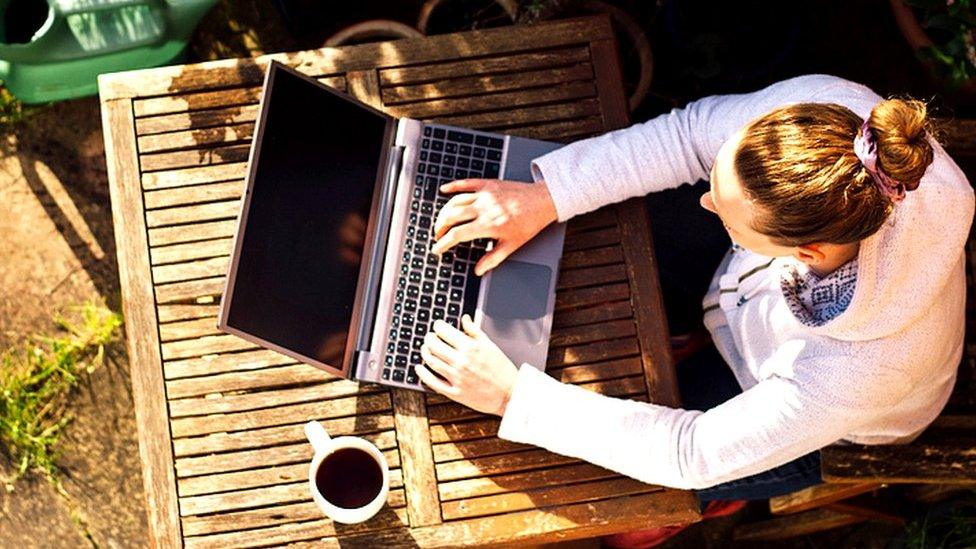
column 375, row 267
column 364, row 366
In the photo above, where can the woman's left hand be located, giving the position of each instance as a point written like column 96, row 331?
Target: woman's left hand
column 475, row 371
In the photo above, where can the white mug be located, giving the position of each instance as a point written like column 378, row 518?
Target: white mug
column 324, row 446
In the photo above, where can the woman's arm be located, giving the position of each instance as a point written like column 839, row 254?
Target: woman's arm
column 772, row 423
column 662, row 153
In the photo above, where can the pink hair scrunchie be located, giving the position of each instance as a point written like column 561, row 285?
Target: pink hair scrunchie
column 866, row 149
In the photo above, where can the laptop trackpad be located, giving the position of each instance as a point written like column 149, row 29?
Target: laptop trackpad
column 517, row 295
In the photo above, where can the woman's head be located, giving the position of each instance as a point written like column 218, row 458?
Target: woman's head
column 791, row 178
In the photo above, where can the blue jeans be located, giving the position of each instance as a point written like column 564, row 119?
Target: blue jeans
column 689, row 243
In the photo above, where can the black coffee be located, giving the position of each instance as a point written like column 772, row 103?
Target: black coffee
column 349, row 478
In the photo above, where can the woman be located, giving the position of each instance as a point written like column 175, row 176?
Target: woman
column 839, row 308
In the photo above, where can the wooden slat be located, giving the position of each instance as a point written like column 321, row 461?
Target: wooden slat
column 951, row 462
column 217, row 404
column 420, row 482
column 322, row 532
column 264, row 457
column 600, row 312
column 464, row 430
column 196, row 157
column 250, row 380
column 184, row 102
column 592, row 352
column 566, row 130
column 190, row 251
column 645, row 292
column 171, row 313
column 182, row 196
column 591, row 258
column 243, row 523
column 192, row 233
column 485, row 65
column 210, row 211
column 534, row 114
column 204, row 346
column 455, row 107
column 611, row 329
column 817, row 496
column 463, row 86
column 592, row 239
column 195, row 101
column 449, row 451
column 579, row 297
column 544, row 497
column 555, row 476
column 505, row 463
column 192, row 270
column 257, row 497
column 169, row 179
column 604, row 370
column 281, row 415
column 149, row 397
column 604, row 217
column 227, row 362
column 199, row 291
column 327, row 61
column 561, row 523
column 593, row 276
column 282, row 434
column 198, row 119
column 187, row 329
column 257, row 478
column 196, row 139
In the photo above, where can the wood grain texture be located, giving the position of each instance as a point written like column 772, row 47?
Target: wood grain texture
column 234, row 414
column 231, row 72
column 817, row 496
column 949, row 461
column 148, row 390
column 417, row 461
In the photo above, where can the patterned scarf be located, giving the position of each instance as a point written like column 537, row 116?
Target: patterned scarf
column 815, row 300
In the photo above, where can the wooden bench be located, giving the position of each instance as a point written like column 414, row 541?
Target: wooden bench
column 945, row 454
column 220, row 420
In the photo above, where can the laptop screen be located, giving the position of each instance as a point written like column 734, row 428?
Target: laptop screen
column 302, row 244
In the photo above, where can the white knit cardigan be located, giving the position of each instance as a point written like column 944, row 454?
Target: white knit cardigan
column 877, row 373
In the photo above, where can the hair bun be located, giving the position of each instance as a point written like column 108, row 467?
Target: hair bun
column 900, row 127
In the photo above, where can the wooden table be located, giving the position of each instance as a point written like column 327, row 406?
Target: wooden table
column 220, row 420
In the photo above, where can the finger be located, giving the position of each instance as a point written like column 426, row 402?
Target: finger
column 463, row 185
column 437, row 366
column 471, row 328
column 441, row 350
column 454, row 337
column 492, row 259
column 453, row 214
column 459, row 234
column 434, row 382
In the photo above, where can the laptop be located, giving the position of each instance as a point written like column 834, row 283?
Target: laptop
column 332, row 263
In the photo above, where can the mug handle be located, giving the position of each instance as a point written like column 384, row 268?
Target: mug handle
column 317, row 436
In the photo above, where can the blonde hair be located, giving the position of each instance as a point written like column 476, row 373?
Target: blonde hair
column 797, row 163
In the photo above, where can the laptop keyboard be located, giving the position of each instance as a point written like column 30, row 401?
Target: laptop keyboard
column 429, row 287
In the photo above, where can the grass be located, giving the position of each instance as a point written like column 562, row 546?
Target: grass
column 952, row 526
column 37, row 380
column 13, row 112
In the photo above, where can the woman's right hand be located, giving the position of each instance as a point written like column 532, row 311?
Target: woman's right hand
column 509, row 212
